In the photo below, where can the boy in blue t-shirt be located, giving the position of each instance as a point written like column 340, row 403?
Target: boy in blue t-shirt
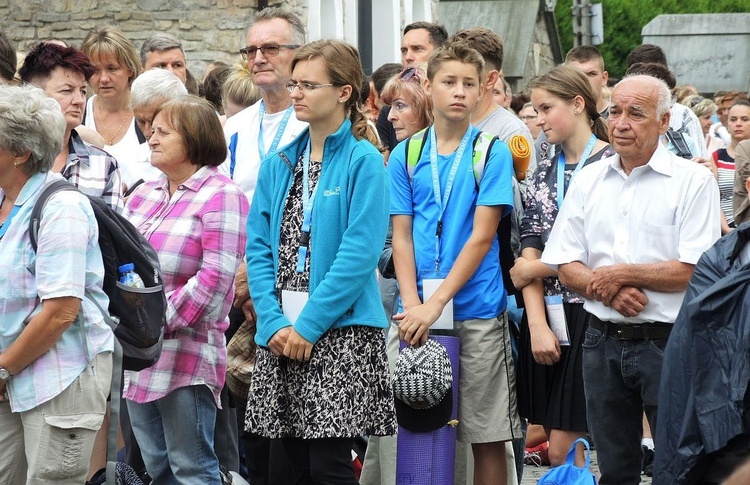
column 445, row 253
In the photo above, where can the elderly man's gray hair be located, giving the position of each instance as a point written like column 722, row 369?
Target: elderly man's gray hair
column 663, row 95
column 155, row 85
column 159, row 42
column 30, row 121
column 270, row 13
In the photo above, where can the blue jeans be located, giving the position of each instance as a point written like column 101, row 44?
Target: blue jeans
column 176, row 436
column 621, row 380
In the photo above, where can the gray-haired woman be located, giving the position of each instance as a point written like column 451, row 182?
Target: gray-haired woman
column 55, row 348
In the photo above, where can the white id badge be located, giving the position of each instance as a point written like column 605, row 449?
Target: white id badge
column 445, row 320
column 556, row 318
column 292, row 303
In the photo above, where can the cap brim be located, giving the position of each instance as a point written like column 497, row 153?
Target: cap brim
column 425, row 420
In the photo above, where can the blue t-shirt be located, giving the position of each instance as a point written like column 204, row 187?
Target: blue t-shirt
column 483, row 296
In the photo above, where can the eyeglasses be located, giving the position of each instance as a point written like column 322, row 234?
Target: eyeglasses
column 528, row 118
column 305, row 87
column 269, row 50
column 409, row 74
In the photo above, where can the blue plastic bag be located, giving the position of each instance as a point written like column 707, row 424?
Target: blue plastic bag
column 569, row 473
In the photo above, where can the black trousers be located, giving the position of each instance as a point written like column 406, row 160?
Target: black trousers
column 325, row 461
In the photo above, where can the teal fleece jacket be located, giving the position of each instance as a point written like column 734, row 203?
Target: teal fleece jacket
column 349, row 223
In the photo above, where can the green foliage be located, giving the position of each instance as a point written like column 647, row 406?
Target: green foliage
column 624, row 19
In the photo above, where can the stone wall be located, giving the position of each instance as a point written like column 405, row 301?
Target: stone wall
column 209, row 29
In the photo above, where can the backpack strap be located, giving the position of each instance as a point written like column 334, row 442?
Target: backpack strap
column 233, row 140
column 36, row 213
column 678, row 141
column 414, row 146
column 482, row 146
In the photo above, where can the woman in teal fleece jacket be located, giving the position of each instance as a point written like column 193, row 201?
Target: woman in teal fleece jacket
column 315, row 231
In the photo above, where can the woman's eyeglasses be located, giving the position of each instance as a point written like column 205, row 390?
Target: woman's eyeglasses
column 304, row 87
column 268, row 50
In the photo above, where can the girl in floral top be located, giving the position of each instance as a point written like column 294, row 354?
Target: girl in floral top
column 551, row 370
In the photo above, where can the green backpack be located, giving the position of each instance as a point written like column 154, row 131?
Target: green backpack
column 481, row 147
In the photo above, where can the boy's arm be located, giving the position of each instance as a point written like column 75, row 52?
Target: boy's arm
column 416, row 321
column 403, row 260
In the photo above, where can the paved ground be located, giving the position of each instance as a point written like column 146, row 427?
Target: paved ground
column 532, row 474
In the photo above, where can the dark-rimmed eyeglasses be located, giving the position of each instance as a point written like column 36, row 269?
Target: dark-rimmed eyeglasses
column 304, row 87
column 268, row 50
column 408, row 74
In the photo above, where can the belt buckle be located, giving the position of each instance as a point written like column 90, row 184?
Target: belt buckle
column 628, row 332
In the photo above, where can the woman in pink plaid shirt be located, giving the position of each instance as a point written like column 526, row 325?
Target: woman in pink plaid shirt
column 194, row 218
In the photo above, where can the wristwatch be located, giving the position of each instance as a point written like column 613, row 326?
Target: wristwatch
column 4, row 374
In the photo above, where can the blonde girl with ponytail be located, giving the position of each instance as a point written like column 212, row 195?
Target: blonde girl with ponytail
column 550, row 354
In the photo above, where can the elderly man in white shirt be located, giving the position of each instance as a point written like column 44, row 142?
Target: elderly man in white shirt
column 627, row 238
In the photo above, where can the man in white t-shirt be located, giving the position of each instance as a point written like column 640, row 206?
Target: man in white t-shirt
column 257, row 131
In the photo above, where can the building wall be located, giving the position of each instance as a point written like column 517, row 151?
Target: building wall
column 214, row 29
column 209, row 29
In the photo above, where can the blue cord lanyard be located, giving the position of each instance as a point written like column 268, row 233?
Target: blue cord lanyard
column 561, row 168
column 4, row 226
column 443, row 202
column 307, row 205
column 279, row 133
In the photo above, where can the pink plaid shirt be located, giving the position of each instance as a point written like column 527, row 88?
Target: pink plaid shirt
column 199, row 234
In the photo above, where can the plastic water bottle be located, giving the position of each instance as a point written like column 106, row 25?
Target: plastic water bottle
column 129, row 277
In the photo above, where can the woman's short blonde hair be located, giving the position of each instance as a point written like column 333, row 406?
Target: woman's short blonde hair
column 408, row 85
column 109, row 40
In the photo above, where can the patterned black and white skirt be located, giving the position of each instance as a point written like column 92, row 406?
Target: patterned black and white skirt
column 343, row 391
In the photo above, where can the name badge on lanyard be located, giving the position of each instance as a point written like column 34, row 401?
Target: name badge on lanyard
column 556, row 318
column 561, row 168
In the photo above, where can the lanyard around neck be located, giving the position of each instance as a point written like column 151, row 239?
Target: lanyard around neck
column 279, row 132
column 579, row 165
column 442, row 202
column 307, row 205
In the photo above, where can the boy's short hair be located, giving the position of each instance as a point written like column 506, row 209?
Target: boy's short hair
column 438, row 34
column 585, row 53
column 486, row 42
column 647, row 53
column 454, row 51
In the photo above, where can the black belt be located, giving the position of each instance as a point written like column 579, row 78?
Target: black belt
column 632, row 331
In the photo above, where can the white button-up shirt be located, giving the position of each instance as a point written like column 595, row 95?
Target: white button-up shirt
column 665, row 210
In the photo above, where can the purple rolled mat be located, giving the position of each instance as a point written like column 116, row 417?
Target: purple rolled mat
column 429, row 458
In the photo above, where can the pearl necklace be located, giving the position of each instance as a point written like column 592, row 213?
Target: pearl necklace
column 106, row 135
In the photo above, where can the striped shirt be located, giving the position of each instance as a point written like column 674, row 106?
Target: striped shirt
column 725, row 166
column 67, row 263
column 94, row 172
column 199, row 235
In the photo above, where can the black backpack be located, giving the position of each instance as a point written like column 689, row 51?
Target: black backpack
column 139, row 312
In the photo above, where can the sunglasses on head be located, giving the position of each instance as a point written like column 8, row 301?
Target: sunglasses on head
column 694, row 102
column 409, row 74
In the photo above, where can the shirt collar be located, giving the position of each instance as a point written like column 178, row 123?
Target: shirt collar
column 77, row 151
column 33, row 185
column 660, row 162
column 194, row 183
